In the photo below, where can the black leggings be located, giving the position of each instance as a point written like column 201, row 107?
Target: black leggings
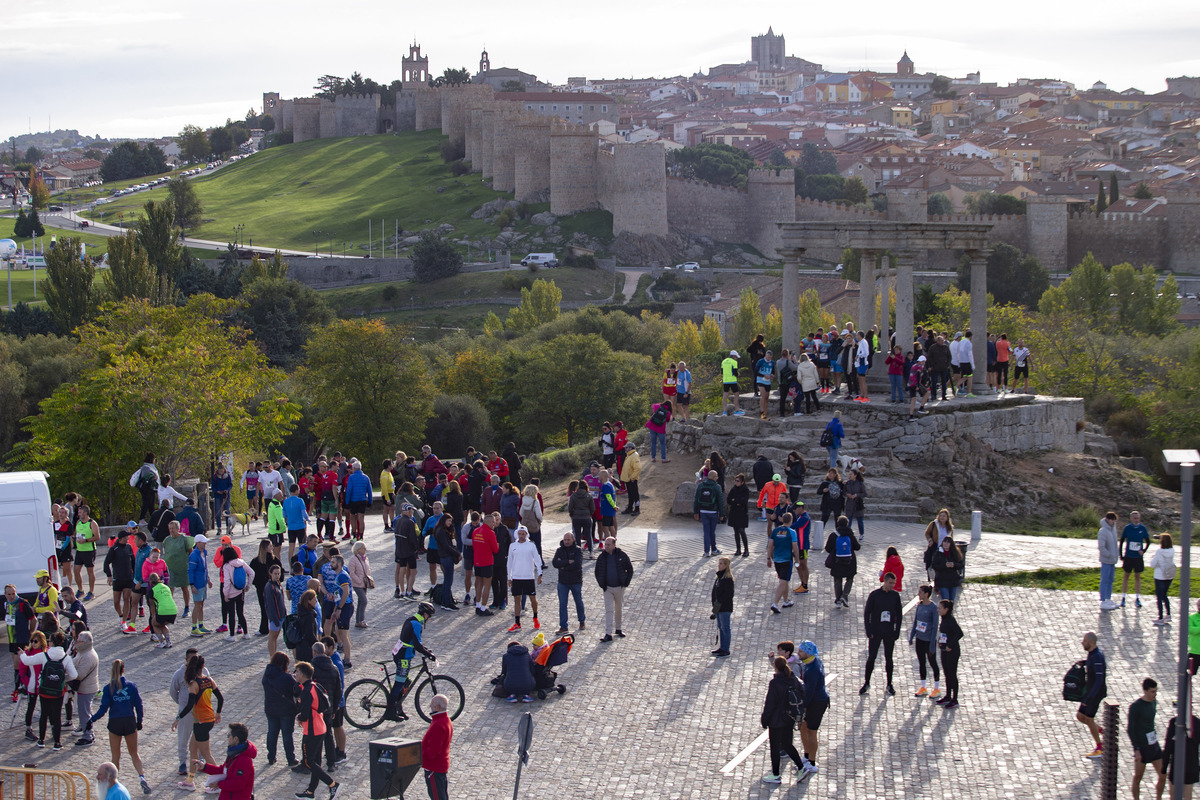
column 262, row 612
column 925, row 654
column 635, row 499
column 781, row 742
column 873, row 651
column 51, row 713
column 1002, row 373
column 1162, row 593
column 950, row 667
column 582, row 528
column 33, row 698
column 740, row 543
column 311, row 747
column 811, row 402
column 235, row 608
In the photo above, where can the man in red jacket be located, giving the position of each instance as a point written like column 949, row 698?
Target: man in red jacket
column 435, row 748
column 237, row 773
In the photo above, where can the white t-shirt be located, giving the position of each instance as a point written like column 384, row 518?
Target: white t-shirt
column 269, row 481
column 523, row 561
column 864, row 351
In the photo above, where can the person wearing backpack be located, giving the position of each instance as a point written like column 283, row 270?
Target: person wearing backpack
column 313, row 705
column 236, row 577
column 841, row 545
column 831, row 439
column 660, row 415
column 145, row 480
column 783, row 711
column 57, row 668
column 833, row 496
column 881, row 618
column 708, row 507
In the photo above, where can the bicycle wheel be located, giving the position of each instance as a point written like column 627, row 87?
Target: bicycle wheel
column 366, row 702
column 439, row 684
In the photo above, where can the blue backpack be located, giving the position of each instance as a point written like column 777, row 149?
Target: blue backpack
column 239, row 577
column 842, row 547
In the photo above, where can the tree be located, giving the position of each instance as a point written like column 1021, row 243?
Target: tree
column 39, row 195
column 1101, row 200
column 21, row 226
column 684, row 346
column 173, row 380
column 924, row 302
column 813, row 318
column 193, row 143
column 220, row 140
column 275, row 268
column 1114, row 191
column 1123, row 300
column 822, row 187
column 328, row 86
column 355, row 373
column 452, row 77
column 159, row 237
column 196, row 278
column 434, row 258
column 777, row 159
column 31, row 368
column 942, row 88
column 282, row 315
column 717, row 164
column 815, row 161
column 990, row 203
column 939, row 205
column 458, row 421
column 747, row 320
column 493, row 325
column 855, row 190
column 1142, row 191
column 267, row 123
column 539, row 305
column 68, row 288
column 35, row 226
column 188, row 209
column 1012, row 277
column 131, row 160
column 130, row 275
column 33, row 155
column 26, row 320
column 710, row 336
column 512, row 86
column 558, row 399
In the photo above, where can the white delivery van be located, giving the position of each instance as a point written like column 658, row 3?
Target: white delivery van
column 540, row 259
column 26, row 531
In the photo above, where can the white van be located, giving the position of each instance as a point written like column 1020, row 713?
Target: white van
column 26, row 531
column 540, row 259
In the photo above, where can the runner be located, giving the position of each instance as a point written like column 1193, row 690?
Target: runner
column 201, row 691
column 784, row 553
column 1144, row 739
column 524, row 575
column 407, row 547
column 802, row 525
column 197, row 572
column 249, row 482
column 1135, row 539
column 840, row 546
column 87, row 534
column 924, row 636
column 313, row 705
column 949, row 636
column 118, row 568
column 121, row 701
column 1095, row 690
column 816, row 703
column 881, row 617
column 484, row 548
column 729, row 384
column 326, row 483
column 737, row 506
column 162, row 609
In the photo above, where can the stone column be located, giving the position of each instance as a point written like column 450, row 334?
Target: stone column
column 979, row 315
column 883, row 270
column 904, row 299
column 866, row 291
column 791, row 299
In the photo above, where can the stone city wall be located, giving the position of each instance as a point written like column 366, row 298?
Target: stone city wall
column 1117, row 238
column 631, row 181
column 697, row 208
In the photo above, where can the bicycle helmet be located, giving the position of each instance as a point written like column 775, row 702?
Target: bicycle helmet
column 426, row 610
column 808, row 647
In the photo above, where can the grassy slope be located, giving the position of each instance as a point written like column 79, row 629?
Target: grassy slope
column 96, row 243
column 283, row 194
column 1081, row 580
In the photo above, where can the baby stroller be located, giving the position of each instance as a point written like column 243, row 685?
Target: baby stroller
column 553, row 655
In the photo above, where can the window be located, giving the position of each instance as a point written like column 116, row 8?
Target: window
column 604, row 109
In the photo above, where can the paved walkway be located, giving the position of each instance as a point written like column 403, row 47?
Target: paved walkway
column 654, row 716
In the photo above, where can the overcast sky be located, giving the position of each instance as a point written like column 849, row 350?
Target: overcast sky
column 140, row 68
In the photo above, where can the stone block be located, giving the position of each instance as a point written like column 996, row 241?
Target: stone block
column 684, row 496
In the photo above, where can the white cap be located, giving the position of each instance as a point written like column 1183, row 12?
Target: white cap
column 845, row 331
column 734, row 353
column 920, row 359
column 200, row 538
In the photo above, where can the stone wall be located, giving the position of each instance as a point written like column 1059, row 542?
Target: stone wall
column 504, row 151
column 531, row 164
column 696, row 208
column 356, row 115
column 306, row 119
column 572, row 170
column 428, row 113
column 631, row 183
column 1183, row 232
column 1117, row 238
column 771, row 197
column 1047, row 237
column 406, row 112
column 328, row 119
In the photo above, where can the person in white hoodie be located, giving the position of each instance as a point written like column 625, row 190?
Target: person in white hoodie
column 1163, row 564
column 524, row 573
column 51, row 691
column 1106, row 540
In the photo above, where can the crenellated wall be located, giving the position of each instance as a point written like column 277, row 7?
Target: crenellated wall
column 428, row 113
column 631, row 182
column 1010, row 229
column 1117, row 238
column 306, row 119
column 771, row 196
column 1183, row 232
column 697, row 208
column 487, row 142
column 356, row 115
column 504, row 149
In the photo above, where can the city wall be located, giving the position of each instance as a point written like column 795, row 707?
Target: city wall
column 528, row 155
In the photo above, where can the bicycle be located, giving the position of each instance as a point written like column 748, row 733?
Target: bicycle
column 367, row 699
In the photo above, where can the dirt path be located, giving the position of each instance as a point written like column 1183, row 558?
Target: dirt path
column 657, row 488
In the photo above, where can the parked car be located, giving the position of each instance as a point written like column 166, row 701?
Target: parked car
column 540, row 259
column 688, row 266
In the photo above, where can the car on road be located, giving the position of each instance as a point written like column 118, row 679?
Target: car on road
column 55, row 208
column 688, row 266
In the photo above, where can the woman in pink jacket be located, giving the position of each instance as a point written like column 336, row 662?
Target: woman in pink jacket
column 660, row 415
column 236, row 579
column 359, row 568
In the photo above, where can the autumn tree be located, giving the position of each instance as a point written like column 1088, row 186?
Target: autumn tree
column 684, row 346
column 710, row 336
column 39, row 195
column 747, row 319
column 539, row 305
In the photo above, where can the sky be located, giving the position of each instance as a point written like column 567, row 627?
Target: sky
column 137, row 68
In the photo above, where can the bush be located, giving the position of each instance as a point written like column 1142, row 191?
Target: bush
column 452, row 151
column 514, row 281
column 459, row 168
column 458, row 421
column 390, row 292
column 1085, row 516
column 505, row 217
column 523, row 210
column 587, row 261
column 434, row 258
column 559, row 463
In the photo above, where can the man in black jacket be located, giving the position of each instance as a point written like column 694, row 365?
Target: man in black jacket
column 118, row 566
column 613, row 573
column 568, row 560
column 938, row 366
column 514, row 464
column 762, row 472
column 881, row 616
column 326, row 675
column 159, row 522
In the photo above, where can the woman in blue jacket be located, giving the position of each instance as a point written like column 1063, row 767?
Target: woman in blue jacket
column 121, row 701
column 516, row 673
column 279, row 690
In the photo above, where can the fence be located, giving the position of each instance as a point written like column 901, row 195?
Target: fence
column 26, row 783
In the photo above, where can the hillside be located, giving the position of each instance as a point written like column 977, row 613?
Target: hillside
column 334, row 186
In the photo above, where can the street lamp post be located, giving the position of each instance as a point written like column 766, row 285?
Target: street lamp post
column 1183, row 463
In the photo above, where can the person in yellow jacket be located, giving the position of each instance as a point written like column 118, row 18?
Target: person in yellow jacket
column 387, row 489
column 276, row 524
column 631, row 470
column 729, row 383
column 774, row 499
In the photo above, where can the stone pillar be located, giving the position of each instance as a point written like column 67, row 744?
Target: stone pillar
column 866, row 290
column 979, row 315
column 791, row 299
column 883, row 270
column 904, row 299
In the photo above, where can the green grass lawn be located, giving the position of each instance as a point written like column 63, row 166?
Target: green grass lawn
column 96, row 243
column 1081, row 580
column 574, row 282
column 335, row 186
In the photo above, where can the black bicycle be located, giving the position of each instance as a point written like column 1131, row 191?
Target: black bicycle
column 367, row 699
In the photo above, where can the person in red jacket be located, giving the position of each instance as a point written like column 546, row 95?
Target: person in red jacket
column 484, row 549
column 894, row 566
column 497, row 465
column 435, row 748
column 237, row 773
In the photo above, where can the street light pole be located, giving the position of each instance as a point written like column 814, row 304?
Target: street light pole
column 1183, row 463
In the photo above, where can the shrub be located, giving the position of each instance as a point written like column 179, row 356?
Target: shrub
column 559, row 463
column 452, row 151
column 390, row 292
column 505, row 217
column 434, row 258
column 523, row 210
column 514, row 281
column 458, row 421
column 1085, row 516
column 459, row 168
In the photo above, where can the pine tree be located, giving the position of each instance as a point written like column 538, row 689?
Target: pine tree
column 1114, row 192
column 35, row 225
column 21, row 227
column 1101, row 201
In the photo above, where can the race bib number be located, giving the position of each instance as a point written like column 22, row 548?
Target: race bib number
column 885, row 616
column 1135, row 547
column 922, row 626
column 81, row 537
column 10, row 620
column 941, row 638
column 1151, row 738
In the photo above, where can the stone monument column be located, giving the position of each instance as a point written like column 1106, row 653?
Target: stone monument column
column 979, row 311
column 904, row 298
column 883, row 270
column 791, row 299
column 866, row 290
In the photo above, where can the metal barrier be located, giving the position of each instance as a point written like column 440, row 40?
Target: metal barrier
column 27, row 783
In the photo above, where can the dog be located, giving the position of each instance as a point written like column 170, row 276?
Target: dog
column 241, row 519
column 848, row 463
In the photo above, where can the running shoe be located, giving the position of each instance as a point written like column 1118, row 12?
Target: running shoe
column 922, row 692
column 146, row 629
column 866, row 687
column 205, row 630
column 788, row 604
column 526, row 699
column 512, row 698
column 161, row 645
column 191, row 786
column 935, row 694
column 516, row 626
column 146, row 784
column 333, row 790
column 536, row 624
column 953, row 704
column 800, row 590
column 141, row 611
column 775, row 609
column 223, row 629
column 891, row 690
column 1138, row 602
column 88, row 596
column 770, row 777
column 1097, row 753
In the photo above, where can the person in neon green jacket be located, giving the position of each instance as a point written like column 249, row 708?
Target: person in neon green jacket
column 1194, row 640
column 276, row 524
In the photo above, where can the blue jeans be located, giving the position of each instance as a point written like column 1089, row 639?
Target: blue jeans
column 709, row 521
column 575, row 590
column 897, row 383
column 833, row 456
column 723, row 629
column 287, row 726
column 448, row 582
column 658, row 438
column 220, row 509
column 1108, row 572
column 949, row 593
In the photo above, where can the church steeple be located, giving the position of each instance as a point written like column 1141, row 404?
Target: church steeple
column 485, row 63
column 905, row 65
